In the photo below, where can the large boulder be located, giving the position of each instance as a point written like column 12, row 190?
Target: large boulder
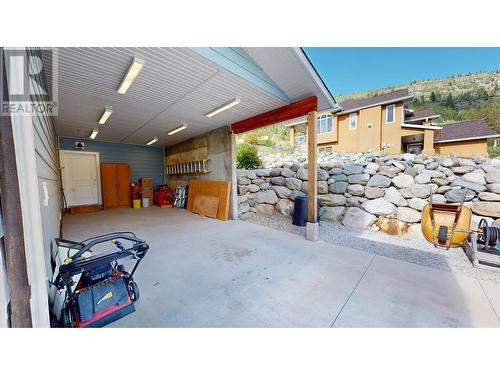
column 478, row 188
column 282, row 191
column 417, row 203
column 337, row 178
column 475, row 177
column 491, row 209
column 322, row 187
column 432, row 165
column 268, row 196
column 456, row 195
column 372, row 192
column 394, row 196
column 251, row 174
column 408, row 215
column 379, row 181
column 280, row 180
column 403, row 181
column 423, row 178
column 293, row 183
column 371, row 168
column 338, row 187
column 284, row 207
column 446, row 162
column 438, row 198
column 494, row 188
column 287, row 172
column 243, row 181
column 352, row 169
column 322, row 175
column 331, row 200
column 264, row 209
column 252, row 188
column 434, row 173
column 492, row 177
column 360, row 179
column 412, row 171
column 332, row 214
column 335, row 171
column 487, row 196
column 275, row 172
column 356, row 217
column 356, row 189
column 420, row 191
column 302, row 174
column 466, row 162
column 462, row 169
column 379, row 207
column 262, row 172
column 388, row 171
column 243, row 207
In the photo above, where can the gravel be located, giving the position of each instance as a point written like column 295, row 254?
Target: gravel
column 405, row 248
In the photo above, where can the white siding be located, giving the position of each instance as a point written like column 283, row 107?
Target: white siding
column 47, row 162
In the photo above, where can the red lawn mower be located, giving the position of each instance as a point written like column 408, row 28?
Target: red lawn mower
column 96, row 289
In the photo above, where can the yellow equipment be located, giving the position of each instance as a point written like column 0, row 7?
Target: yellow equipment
column 446, row 225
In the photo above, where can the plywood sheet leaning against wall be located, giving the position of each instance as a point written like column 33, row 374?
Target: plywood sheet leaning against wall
column 211, row 188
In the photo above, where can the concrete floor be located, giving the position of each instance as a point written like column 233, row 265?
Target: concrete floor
column 202, row 272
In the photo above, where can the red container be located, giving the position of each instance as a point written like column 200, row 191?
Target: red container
column 164, row 197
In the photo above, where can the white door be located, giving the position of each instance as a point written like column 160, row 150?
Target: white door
column 80, row 177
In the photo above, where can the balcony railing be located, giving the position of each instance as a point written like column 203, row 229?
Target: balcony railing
column 300, row 139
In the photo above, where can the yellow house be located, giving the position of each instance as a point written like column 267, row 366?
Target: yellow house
column 385, row 123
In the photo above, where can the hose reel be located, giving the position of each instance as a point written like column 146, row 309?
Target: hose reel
column 488, row 236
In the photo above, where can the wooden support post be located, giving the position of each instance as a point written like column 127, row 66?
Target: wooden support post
column 15, row 256
column 312, row 173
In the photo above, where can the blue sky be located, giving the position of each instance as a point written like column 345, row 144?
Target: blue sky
column 347, row 70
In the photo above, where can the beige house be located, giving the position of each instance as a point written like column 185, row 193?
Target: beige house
column 386, row 123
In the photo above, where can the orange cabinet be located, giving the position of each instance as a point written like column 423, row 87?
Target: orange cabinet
column 115, row 182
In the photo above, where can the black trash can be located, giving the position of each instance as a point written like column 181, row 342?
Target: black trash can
column 300, row 211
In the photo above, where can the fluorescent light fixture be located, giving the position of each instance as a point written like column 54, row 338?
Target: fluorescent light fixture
column 107, row 112
column 152, row 141
column 176, row 130
column 223, row 107
column 94, row 134
column 131, row 75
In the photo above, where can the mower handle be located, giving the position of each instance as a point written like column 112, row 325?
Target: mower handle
column 106, row 238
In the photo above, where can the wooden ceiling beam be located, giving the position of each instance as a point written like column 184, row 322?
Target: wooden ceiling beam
column 287, row 112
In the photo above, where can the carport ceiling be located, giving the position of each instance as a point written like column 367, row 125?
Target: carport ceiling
column 176, row 86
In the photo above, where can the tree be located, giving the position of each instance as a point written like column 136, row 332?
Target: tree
column 449, row 101
column 432, row 98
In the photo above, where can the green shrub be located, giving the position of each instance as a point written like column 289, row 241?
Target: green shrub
column 493, row 151
column 266, row 142
column 246, row 156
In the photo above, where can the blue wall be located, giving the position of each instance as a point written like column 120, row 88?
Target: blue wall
column 144, row 161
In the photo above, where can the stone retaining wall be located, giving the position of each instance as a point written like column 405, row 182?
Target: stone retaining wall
column 382, row 192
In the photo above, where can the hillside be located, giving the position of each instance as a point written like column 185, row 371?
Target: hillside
column 455, row 98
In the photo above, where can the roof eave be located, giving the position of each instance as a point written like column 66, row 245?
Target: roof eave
column 401, row 99
column 302, row 56
column 468, row 138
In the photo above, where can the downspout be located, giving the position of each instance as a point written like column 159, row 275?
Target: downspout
column 14, row 246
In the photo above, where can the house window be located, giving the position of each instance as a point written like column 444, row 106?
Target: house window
column 324, row 124
column 324, row 149
column 353, row 119
column 389, row 113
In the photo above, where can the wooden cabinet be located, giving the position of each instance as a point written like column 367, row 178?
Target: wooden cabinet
column 115, row 182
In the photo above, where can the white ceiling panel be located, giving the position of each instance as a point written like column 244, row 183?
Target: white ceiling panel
column 176, row 86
